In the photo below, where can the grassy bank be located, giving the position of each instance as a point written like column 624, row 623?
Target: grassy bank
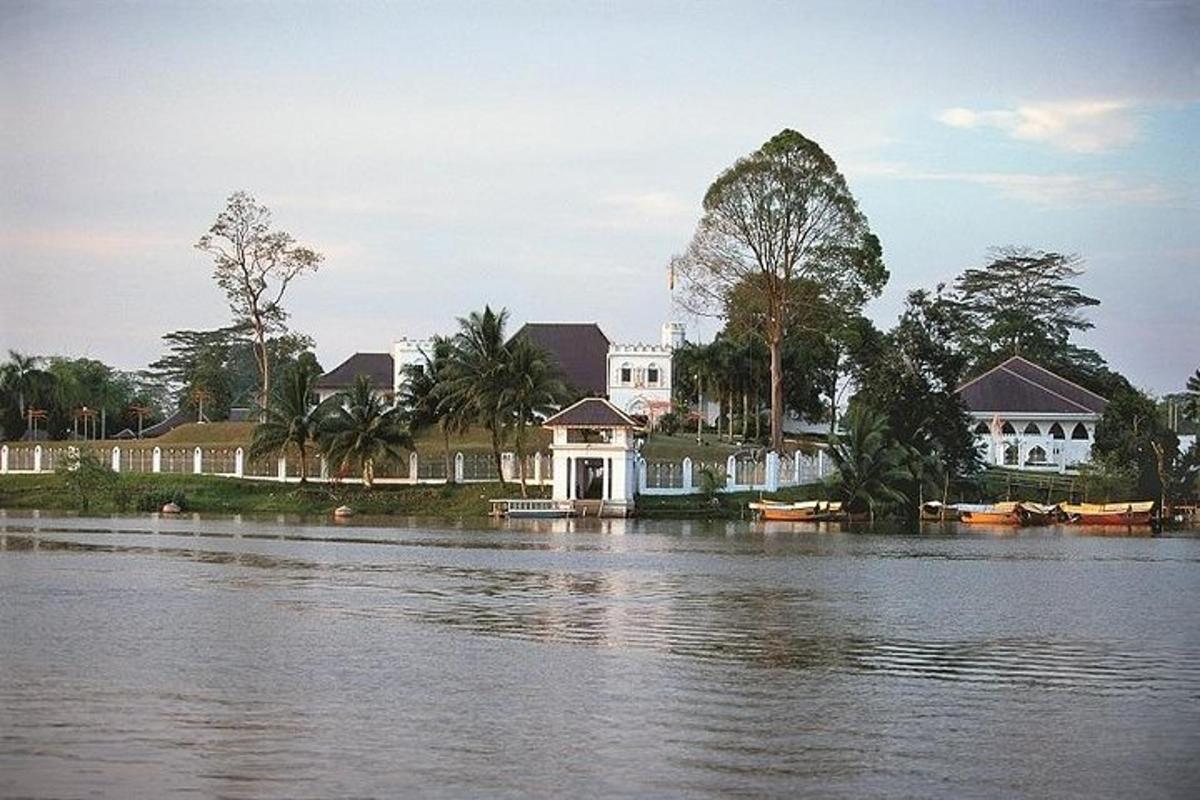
column 207, row 494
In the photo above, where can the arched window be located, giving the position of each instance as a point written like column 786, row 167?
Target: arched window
column 1033, row 429
column 626, row 373
column 1008, row 429
column 981, row 428
column 1056, row 432
column 1079, row 432
column 1011, row 455
column 1036, row 456
column 652, row 374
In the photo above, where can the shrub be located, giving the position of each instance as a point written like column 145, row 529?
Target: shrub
column 84, row 475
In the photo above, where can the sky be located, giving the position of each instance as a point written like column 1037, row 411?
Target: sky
column 551, row 157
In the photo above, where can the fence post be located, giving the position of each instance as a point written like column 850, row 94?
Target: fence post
column 116, row 458
column 687, row 474
column 640, row 466
column 413, row 467
column 282, row 469
column 458, row 467
column 820, row 465
column 506, row 466
column 239, row 462
column 197, row 462
column 730, row 472
column 37, row 458
column 3, row 458
column 537, row 468
column 772, row 472
column 156, row 459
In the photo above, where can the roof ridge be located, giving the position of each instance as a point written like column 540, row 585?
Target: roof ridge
column 983, row 375
column 1059, row 377
column 1047, row 389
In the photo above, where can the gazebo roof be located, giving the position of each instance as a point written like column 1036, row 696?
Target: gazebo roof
column 591, row 412
column 1020, row 386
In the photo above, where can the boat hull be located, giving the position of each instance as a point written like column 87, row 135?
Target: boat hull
column 990, row 518
column 1126, row 519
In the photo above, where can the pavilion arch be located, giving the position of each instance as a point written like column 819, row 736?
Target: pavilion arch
column 1008, row 429
column 1057, row 432
column 1012, row 456
column 1036, row 456
column 1079, row 431
column 1033, row 430
column 981, row 428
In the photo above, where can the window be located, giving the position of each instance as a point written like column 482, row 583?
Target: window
column 626, row 373
column 1036, row 456
column 1033, row 429
column 1056, row 432
column 1079, row 432
column 1011, row 455
column 652, row 375
column 1008, row 429
column 981, row 428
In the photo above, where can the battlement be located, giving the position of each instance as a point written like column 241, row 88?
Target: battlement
column 639, row 349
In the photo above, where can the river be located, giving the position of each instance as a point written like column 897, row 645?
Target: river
column 144, row 657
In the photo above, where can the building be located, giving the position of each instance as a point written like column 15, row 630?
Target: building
column 377, row 367
column 579, row 348
column 640, row 376
column 594, row 455
column 1026, row 417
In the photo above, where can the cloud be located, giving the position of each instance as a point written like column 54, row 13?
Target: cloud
column 1085, row 126
column 1056, row 190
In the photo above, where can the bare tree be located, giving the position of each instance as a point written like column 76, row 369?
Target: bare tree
column 255, row 265
column 777, row 217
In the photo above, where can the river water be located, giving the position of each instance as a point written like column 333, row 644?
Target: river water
column 233, row 657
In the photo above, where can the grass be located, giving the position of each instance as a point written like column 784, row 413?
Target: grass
column 723, row 505
column 208, row 494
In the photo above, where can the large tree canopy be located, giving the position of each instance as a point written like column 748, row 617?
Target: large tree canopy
column 779, row 216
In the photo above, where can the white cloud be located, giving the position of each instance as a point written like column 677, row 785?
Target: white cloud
column 1085, row 126
column 1055, row 190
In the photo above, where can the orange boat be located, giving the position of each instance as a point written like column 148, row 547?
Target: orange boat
column 787, row 512
column 998, row 514
column 1125, row 514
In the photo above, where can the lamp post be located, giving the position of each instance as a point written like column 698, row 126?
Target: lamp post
column 141, row 412
column 34, row 415
column 200, row 395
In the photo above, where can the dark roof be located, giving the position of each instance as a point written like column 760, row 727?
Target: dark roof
column 580, row 348
column 1020, row 386
column 377, row 367
column 592, row 412
column 180, row 417
column 241, row 414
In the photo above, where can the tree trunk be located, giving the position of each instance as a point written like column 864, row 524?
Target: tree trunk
column 496, row 453
column 776, row 347
column 303, row 465
column 757, row 417
column 446, row 451
column 745, row 414
column 699, row 408
column 368, row 472
column 521, row 468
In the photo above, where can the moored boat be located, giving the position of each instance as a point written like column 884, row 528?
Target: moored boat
column 1008, row 513
column 1126, row 514
column 787, row 512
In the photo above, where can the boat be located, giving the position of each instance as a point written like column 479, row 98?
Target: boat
column 532, row 508
column 1140, row 513
column 1008, row 513
column 1038, row 513
column 935, row 511
column 774, row 510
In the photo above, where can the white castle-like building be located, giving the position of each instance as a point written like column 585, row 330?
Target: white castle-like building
column 636, row 378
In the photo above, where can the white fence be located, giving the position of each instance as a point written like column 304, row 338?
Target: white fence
column 738, row 473
column 232, row 462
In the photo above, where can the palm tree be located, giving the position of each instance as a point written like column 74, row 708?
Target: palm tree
column 421, row 397
column 475, row 373
column 363, row 430
column 23, row 377
column 870, row 466
column 531, row 388
column 292, row 420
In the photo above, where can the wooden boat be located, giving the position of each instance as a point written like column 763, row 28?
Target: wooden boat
column 934, row 511
column 1008, row 513
column 774, row 510
column 1110, row 513
column 1038, row 513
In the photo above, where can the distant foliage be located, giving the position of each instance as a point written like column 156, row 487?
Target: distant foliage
column 86, row 477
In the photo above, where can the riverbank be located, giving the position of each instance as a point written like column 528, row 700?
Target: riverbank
column 220, row 495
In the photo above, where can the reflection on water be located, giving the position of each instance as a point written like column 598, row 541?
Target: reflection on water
column 253, row 658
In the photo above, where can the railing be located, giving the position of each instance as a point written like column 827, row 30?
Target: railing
column 738, row 473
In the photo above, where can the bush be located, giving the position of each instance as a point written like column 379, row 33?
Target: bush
column 84, row 475
column 669, row 423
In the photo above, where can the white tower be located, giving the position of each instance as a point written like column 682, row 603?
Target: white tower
column 672, row 335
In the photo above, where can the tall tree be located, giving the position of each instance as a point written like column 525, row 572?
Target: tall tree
column 532, row 386
column 782, row 214
column 1192, row 405
column 363, row 430
column 872, row 469
column 1132, row 433
column 255, row 265
column 1025, row 302
column 421, row 396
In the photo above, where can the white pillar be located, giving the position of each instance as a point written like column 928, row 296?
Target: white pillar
column 458, row 467
column 116, row 458
column 3, row 458
column 506, row 466
column 772, row 471
column 730, row 472
column 282, row 469
column 239, row 462
column 413, row 467
column 537, row 468
column 156, row 460
column 197, row 461
column 687, row 474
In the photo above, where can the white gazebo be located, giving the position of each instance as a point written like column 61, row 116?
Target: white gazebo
column 593, row 447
